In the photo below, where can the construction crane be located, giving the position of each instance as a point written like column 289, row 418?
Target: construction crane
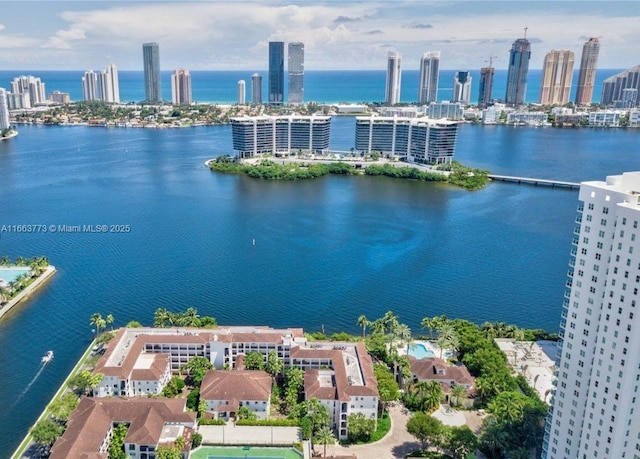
column 490, row 61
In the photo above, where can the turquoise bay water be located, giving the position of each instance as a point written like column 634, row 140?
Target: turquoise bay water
column 326, row 251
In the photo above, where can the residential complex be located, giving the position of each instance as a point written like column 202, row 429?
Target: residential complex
column 103, row 86
column 31, row 88
column 149, row 422
column 587, row 76
column 181, row 87
column 295, row 66
column 276, row 72
column 242, row 92
column 58, row 97
column 517, row 72
column 152, row 82
column 394, row 78
column 256, row 88
column 429, row 73
column 486, row 85
column 613, row 88
column 557, row 74
column 593, row 408
column 280, row 134
column 339, row 374
column 448, row 110
column 420, row 140
column 462, row 87
column 4, row 111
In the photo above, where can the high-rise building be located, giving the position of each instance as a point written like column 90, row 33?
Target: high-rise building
column 593, row 409
column 517, row 72
column 256, row 88
column 32, row 86
column 296, row 73
column 394, row 78
column 109, row 84
column 613, row 87
column 59, row 97
column 587, row 76
column 241, row 92
column 276, row 72
column 4, row 111
column 462, row 87
column 90, row 86
column 486, row 85
column 557, row 74
column 152, row 83
column 102, row 86
column 181, row 87
column 429, row 74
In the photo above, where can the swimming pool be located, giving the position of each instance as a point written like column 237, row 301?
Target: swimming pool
column 11, row 274
column 420, row 351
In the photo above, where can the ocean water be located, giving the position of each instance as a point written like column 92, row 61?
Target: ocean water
column 326, row 250
column 320, row 86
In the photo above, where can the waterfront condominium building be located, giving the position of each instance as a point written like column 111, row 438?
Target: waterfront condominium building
column 296, row 73
column 613, row 88
column 254, row 135
column 486, row 85
column 32, row 86
column 420, row 140
column 242, row 91
column 429, row 73
column 181, row 87
column 587, row 76
column 152, row 83
column 557, row 74
column 59, row 97
column 102, row 86
column 517, row 72
column 276, row 72
column 462, row 87
column 593, row 411
column 256, row 88
column 4, row 110
column 394, row 78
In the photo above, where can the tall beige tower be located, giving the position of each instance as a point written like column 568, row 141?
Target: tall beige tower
column 557, row 74
column 587, row 77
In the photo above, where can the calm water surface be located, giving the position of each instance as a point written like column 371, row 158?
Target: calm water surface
column 326, row 250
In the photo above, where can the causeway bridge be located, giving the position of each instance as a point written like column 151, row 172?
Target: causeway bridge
column 535, row 181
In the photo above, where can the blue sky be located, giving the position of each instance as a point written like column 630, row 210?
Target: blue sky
column 341, row 34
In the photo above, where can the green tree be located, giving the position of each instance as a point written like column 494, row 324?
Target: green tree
column 191, row 318
column 363, row 322
column 116, row 445
column 461, row 441
column 359, row 428
column 109, row 320
column 254, row 361
column 202, row 408
column 161, row 317
column 508, row 406
column 246, row 413
column 325, row 437
column 425, row 428
column 457, row 392
column 168, row 452
column 432, row 395
column 196, row 439
column 447, row 338
column 97, row 321
column 493, row 441
column 387, row 386
column 274, row 365
column 134, row 324
column 62, row 407
column 196, row 368
column 46, row 432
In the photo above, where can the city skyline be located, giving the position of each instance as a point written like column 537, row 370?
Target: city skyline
column 225, row 35
column 151, row 65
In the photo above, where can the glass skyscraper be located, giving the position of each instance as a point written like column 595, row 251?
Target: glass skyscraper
column 462, row 87
column 394, row 78
column 517, row 73
column 152, row 86
column 429, row 72
column 296, row 73
column 486, row 84
column 256, row 88
column 276, row 72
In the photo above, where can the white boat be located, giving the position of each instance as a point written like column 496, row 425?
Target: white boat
column 47, row 357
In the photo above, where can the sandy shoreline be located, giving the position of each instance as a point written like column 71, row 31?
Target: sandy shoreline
column 48, row 272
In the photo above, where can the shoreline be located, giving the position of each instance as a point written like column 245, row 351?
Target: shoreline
column 11, row 135
column 29, row 290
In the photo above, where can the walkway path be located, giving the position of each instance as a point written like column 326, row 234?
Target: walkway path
column 396, row 444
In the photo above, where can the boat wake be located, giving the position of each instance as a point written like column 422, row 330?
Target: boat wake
column 33, row 380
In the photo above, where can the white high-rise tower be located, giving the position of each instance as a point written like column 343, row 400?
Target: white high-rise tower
column 4, row 111
column 242, row 92
column 429, row 73
column 594, row 410
column 394, row 77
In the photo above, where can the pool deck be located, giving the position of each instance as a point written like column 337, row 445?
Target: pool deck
column 230, row 434
column 26, row 293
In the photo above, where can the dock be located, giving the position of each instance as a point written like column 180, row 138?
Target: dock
column 535, row 181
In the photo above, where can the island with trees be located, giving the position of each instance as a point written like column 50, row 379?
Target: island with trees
column 34, row 273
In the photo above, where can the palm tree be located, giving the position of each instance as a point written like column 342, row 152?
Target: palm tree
column 433, row 395
column 191, row 318
column 458, row 391
column 506, row 408
column 377, row 327
column 161, row 317
column 363, row 322
column 390, row 321
column 324, row 437
column 428, row 323
column 403, row 332
column 495, row 440
column 4, row 292
column 109, row 320
column 447, row 338
column 4, row 261
column 96, row 320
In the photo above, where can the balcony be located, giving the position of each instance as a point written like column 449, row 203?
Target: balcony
column 579, row 219
column 572, row 262
column 561, row 334
column 580, row 207
column 570, row 273
column 576, row 231
column 574, row 252
column 569, row 284
column 565, row 304
column 564, row 314
column 563, row 324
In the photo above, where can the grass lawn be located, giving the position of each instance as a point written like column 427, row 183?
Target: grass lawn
column 244, row 451
column 384, row 425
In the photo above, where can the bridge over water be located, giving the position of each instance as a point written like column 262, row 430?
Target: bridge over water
column 535, row 181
